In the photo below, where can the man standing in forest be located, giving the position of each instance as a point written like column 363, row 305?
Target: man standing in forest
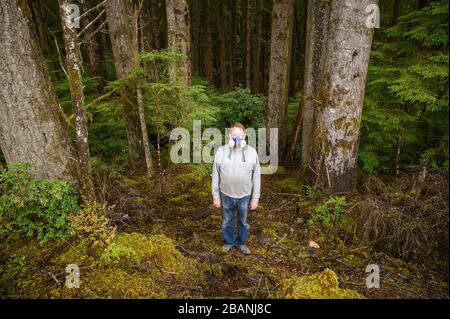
column 236, row 183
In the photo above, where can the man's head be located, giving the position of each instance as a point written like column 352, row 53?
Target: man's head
column 237, row 135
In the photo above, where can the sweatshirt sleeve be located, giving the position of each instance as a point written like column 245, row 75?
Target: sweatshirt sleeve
column 256, row 181
column 215, row 176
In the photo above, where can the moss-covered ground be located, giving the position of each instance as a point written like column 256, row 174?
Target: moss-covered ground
column 168, row 245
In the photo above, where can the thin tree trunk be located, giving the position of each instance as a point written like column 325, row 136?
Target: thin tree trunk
column 42, row 31
column 296, row 131
column 147, row 40
column 338, row 119
column 76, row 92
column 257, row 49
column 145, row 43
column 395, row 12
column 207, row 45
column 178, row 36
column 280, row 55
column 248, row 44
column 92, row 39
column 222, row 42
column 122, row 23
column 233, row 58
column 32, row 124
column 266, row 50
column 316, row 33
column 41, row 26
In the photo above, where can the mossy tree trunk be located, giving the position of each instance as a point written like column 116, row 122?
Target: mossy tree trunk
column 122, row 25
column 73, row 63
column 338, row 113
column 32, row 124
column 280, row 56
column 178, row 36
column 316, row 33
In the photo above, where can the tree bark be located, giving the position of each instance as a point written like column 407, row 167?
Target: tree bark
column 246, row 31
column 280, row 55
column 233, row 57
column 178, row 36
column 257, row 49
column 32, row 124
column 395, row 12
column 207, row 44
column 222, row 42
column 147, row 38
column 86, row 184
column 41, row 26
column 92, row 40
column 316, row 33
column 122, row 23
column 338, row 115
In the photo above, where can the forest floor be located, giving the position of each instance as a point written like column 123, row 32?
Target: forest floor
column 177, row 204
column 168, row 243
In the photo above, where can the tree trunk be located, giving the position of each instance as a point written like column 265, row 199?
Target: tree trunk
column 222, row 45
column 248, row 43
column 122, row 23
column 246, row 31
column 41, row 26
column 207, row 44
column 395, row 12
column 295, row 131
column 32, row 124
column 145, row 44
column 86, row 185
column 147, row 37
column 280, row 55
column 338, row 116
column 316, row 32
column 266, row 50
column 92, row 40
column 257, row 49
column 178, row 36
column 233, row 57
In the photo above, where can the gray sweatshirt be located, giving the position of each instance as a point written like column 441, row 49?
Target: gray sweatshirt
column 237, row 173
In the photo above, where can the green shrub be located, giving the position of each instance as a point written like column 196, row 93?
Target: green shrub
column 33, row 207
column 331, row 212
column 241, row 106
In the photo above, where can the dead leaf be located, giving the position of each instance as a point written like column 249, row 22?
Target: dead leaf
column 313, row 244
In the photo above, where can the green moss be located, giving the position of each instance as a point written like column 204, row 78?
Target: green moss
column 112, row 283
column 155, row 252
column 323, row 285
column 289, row 185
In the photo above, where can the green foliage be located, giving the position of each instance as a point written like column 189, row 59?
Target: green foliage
column 406, row 104
column 331, row 212
column 92, row 225
column 34, row 208
column 323, row 285
column 241, row 106
column 313, row 192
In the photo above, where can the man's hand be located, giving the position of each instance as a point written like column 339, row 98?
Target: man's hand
column 253, row 205
column 216, row 202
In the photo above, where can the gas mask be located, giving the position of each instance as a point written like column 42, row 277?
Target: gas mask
column 237, row 141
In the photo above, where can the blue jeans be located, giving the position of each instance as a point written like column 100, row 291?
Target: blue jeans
column 228, row 206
